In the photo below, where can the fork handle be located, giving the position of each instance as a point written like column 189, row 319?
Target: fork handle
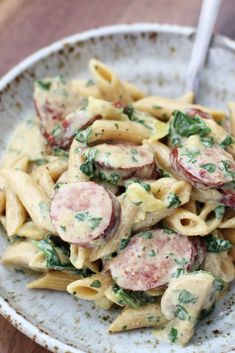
column 207, row 19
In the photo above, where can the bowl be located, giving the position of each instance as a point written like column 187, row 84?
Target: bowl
column 154, row 57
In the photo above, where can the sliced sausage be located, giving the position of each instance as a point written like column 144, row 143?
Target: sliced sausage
column 228, row 194
column 206, row 167
column 64, row 131
column 124, row 160
column 151, row 258
column 84, row 213
column 199, row 112
column 54, row 99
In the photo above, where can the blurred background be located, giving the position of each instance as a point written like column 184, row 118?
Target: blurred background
column 27, row 25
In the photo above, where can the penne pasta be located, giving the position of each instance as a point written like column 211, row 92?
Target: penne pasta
column 90, row 288
column 53, row 280
column 33, row 200
column 149, row 315
column 15, row 212
column 111, row 88
column 162, row 108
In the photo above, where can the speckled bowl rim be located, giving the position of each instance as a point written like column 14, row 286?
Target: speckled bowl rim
column 6, row 310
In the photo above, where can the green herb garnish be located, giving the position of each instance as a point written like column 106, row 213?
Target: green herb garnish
column 209, row 167
column 173, row 200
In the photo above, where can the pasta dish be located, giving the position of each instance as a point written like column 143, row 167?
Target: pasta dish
column 123, row 199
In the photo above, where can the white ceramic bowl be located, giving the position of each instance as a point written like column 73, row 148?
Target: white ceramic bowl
column 155, row 57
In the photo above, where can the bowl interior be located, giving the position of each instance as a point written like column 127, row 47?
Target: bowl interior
column 155, row 59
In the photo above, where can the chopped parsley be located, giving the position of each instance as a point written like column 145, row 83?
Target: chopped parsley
column 146, row 186
column 181, row 261
column 227, row 141
column 217, row 245
column 123, row 243
column 85, row 216
column 186, row 297
column 84, row 104
column 44, row 209
column 209, row 167
column 168, row 230
column 173, row 200
column 90, row 83
column 152, row 253
column 57, row 131
column 88, row 167
column 146, row 235
column 45, row 85
column 163, row 173
column 40, row 161
column 59, row 152
column 155, row 106
column 96, row 284
column 180, row 312
column 219, row 211
column 82, row 135
column 112, row 178
column 178, row 272
column 133, row 115
column 173, row 335
column 226, row 165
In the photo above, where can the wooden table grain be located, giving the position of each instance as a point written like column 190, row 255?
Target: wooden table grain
column 27, row 25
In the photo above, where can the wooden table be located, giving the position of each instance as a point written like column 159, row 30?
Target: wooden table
column 27, row 25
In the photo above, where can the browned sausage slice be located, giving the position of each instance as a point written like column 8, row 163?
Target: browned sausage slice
column 207, row 167
column 151, row 258
column 85, row 213
column 126, row 161
column 54, row 99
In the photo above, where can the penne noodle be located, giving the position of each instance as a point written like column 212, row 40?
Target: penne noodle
column 187, row 97
column 133, row 91
column 75, row 160
column 87, row 88
column 111, row 88
column 55, row 169
column 231, row 107
column 149, row 315
column 33, row 200
column 54, row 280
column 47, row 184
column 162, row 108
column 108, row 130
column 15, row 212
column 91, row 288
column 19, row 254
column 31, row 231
column 104, row 303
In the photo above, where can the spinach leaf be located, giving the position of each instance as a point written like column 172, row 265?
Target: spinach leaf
column 217, row 245
column 96, row 284
column 185, row 125
column 226, row 165
column 134, row 299
column 48, row 247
